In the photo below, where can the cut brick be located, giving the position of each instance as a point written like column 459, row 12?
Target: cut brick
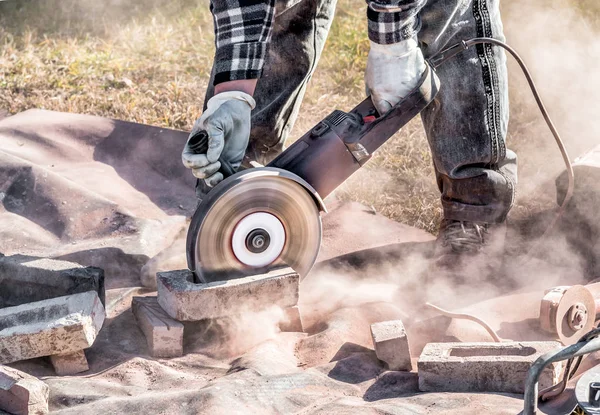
column 483, row 367
column 292, row 322
column 391, row 344
column 26, row 280
column 22, row 394
column 69, row 363
column 164, row 335
column 184, row 300
column 58, row 326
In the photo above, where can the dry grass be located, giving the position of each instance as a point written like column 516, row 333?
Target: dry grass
column 149, row 62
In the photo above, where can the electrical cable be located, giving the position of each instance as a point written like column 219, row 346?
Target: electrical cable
column 464, row 316
column 442, row 56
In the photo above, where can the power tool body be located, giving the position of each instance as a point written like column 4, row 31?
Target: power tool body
column 265, row 217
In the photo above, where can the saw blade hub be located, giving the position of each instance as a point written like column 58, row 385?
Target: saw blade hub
column 254, row 221
column 258, row 239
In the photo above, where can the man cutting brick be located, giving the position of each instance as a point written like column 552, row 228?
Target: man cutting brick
column 267, row 50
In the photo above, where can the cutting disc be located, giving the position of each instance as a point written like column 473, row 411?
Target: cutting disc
column 568, row 311
column 254, row 221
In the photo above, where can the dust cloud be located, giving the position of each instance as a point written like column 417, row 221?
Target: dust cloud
column 559, row 42
column 562, row 50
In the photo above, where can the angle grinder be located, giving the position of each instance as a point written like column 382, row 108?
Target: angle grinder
column 259, row 219
column 263, row 217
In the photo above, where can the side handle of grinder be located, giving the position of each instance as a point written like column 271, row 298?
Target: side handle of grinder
column 198, row 143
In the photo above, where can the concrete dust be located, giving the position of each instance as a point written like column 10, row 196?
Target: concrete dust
column 371, row 269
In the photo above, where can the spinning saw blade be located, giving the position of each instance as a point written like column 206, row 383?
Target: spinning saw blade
column 257, row 219
column 569, row 312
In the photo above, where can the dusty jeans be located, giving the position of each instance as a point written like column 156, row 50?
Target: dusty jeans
column 466, row 124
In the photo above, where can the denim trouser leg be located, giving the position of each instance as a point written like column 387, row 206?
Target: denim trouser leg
column 466, row 125
column 299, row 34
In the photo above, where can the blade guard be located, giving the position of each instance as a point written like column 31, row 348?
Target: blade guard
column 206, row 203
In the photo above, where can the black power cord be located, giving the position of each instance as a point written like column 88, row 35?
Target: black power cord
column 448, row 53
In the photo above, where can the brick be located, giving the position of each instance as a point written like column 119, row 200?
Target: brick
column 57, row 326
column 164, row 335
column 185, row 300
column 22, row 394
column 483, row 367
column 69, row 363
column 292, row 321
column 25, row 280
column 391, row 344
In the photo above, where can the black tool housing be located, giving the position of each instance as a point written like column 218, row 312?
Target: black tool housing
column 339, row 145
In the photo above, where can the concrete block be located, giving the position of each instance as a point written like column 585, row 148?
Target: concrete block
column 57, row 326
column 69, row 363
column 391, row 344
column 292, row 322
column 184, row 300
column 22, row 394
column 25, row 280
column 483, row 367
column 163, row 334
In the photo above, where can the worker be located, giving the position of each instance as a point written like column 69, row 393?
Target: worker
column 267, row 51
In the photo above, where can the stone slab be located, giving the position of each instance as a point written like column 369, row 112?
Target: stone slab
column 69, row 363
column 391, row 344
column 25, row 280
column 22, row 394
column 185, row 300
column 45, row 328
column 164, row 334
column 483, row 367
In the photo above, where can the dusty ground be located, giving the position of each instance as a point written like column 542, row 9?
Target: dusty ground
column 75, row 187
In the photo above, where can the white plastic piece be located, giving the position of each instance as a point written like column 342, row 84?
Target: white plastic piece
column 259, row 220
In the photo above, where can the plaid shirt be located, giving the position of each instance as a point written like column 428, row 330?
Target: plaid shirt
column 243, row 29
column 391, row 21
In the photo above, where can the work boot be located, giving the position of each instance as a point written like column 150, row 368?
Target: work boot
column 469, row 251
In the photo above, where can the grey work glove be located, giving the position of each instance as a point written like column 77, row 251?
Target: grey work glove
column 393, row 71
column 227, row 122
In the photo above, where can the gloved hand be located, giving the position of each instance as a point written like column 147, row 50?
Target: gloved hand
column 227, row 122
column 393, row 71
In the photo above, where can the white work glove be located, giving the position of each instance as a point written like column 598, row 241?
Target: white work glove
column 227, row 122
column 393, row 71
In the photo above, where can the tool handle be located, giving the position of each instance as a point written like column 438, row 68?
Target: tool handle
column 377, row 129
column 198, row 143
column 344, row 141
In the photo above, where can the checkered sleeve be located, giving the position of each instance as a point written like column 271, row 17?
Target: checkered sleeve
column 391, row 21
column 242, row 32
